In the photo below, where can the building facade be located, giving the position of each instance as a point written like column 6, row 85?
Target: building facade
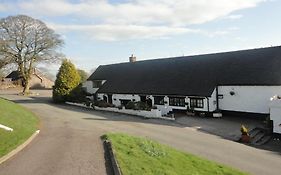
column 239, row 81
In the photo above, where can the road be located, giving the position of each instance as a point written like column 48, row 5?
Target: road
column 69, row 142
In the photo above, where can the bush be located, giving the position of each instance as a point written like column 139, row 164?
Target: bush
column 67, row 80
column 103, row 104
column 142, row 106
column 138, row 106
column 154, row 107
column 130, row 105
column 83, row 75
column 77, row 95
column 120, row 107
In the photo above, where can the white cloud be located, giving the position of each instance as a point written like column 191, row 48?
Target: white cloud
column 169, row 12
column 111, row 32
column 4, row 7
column 234, row 17
column 134, row 18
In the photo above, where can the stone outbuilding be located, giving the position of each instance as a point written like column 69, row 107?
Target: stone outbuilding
column 38, row 80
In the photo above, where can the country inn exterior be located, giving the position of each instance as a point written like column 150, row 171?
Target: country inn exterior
column 239, row 81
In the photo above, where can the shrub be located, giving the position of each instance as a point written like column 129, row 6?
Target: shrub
column 103, row 104
column 154, row 107
column 142, row 106
column 83, row 75
column 77, row 95
column 120, row 107
column 67, row 80
column 138, row 106
column 130, row 105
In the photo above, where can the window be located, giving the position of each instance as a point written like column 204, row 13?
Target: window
column 97, row 83
column 176, row 101
column 159, row 100
column 196, row 103
column 124, row 102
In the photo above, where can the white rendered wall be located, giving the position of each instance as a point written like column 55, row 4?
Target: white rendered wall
column 254, row 99
column 88, row 85
column 213, row 101
column 154, row 113
column 117, row 97
column 275, row 115
column 166, row 108
column 205, row 104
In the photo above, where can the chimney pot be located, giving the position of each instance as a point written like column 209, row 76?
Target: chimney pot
column 132, row 58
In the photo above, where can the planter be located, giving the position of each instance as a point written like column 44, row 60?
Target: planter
column 245, row 139
column 190, row 113
column 217, row 115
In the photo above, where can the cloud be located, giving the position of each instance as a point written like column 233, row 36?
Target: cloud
column 110, row 32
column 4, row 7
column 144, row 12
column 234, row 17
column 132, row 19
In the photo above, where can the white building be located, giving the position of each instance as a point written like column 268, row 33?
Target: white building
column 239, row 81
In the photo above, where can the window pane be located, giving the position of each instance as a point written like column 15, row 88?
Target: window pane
column 176, row 101
column 159, row 100
column 196, row 103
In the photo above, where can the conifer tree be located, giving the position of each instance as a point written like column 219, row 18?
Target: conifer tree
column 67, row 80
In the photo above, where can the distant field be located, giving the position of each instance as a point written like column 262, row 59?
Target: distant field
column 24, row 123
column 138, row 156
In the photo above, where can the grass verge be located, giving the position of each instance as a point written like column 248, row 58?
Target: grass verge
column 138, row 156
column 24, row 123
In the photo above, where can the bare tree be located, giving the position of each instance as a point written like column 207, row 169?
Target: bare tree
column 26, row 41
column 4, row 60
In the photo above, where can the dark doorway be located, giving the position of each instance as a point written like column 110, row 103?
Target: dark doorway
column 105, row 98
column 124, row 102
column 109, row 98
column 149, row 102
column 142, row 98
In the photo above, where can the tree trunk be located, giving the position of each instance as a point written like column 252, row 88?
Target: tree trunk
column 26, row 87
column 27, row 77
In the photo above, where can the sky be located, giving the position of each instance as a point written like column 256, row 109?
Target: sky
column 99, row 32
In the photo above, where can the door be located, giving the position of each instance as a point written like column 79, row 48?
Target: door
column 105, row 98
column 109, row 98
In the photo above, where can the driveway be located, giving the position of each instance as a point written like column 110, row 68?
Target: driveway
column 69, row 141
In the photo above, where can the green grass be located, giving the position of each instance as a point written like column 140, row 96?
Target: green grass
column 143, row 156
column 24, row 123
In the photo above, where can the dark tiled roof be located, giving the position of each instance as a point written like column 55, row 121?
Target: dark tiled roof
column 192, row 75
column 15, row 75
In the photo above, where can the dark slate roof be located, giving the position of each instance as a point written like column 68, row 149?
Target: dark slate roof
column 192, row 75
column 15, row 75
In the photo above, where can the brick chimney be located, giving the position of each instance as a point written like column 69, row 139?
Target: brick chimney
column 132, row 59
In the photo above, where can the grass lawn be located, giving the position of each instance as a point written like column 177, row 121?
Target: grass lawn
column 24, row 123
column 142, row 156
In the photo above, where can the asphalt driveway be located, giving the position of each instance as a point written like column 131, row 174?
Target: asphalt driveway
column 69, row 142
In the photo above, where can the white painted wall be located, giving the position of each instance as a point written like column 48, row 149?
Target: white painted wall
column 275, row 115
column 254, row 99
column 213, row 101
column 153, row 113
column 88, row 85
column 117, row 97
column 166, row 108
column 205, row 104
